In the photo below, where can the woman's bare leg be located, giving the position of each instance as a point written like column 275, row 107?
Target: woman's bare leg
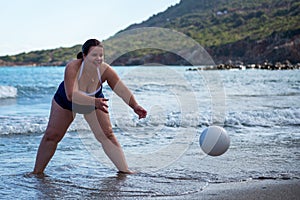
column 59, row 121
column 102, row 129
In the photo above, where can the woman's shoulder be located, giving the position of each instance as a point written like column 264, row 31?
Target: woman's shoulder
column 105, row 67
column 72, row 68
column 74, row 65
column 107, row 71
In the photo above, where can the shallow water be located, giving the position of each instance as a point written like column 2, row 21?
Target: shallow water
column 259, row 109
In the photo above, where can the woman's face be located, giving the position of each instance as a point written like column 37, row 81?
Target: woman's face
column 95, row 56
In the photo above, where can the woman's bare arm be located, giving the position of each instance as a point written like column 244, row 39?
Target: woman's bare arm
column 122, row 91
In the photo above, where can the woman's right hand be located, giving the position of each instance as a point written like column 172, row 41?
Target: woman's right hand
column 101, row 104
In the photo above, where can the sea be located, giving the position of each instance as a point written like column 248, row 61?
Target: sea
column 259, row 109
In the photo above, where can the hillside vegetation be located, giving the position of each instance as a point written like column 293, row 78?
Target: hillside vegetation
column 239, row 30
column 219, row 22
column 53, row 57
column 249, row 31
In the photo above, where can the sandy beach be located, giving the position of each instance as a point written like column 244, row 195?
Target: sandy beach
column 255, row 189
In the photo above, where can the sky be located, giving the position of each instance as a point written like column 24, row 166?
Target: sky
column 28, row 25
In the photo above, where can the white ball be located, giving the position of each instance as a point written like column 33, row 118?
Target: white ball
column 214, row 140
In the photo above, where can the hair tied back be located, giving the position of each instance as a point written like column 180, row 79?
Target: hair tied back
column 80, row 55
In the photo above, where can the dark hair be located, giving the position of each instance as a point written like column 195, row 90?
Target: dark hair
column 86, row 47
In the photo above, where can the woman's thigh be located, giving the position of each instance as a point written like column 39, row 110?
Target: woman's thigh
column 59, row 121
column 101, row 126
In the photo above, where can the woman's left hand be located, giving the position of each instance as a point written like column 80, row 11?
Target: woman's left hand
column 140, row 111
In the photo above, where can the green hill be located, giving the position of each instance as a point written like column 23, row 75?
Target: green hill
column 238, row 30
column 53, row 57
column 246, row 30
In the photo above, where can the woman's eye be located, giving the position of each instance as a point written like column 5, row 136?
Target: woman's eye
column 96, row 55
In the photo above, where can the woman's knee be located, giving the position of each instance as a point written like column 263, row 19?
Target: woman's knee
column 109, row 135
column 108, row 132
column 101, row 127
column 51, row 135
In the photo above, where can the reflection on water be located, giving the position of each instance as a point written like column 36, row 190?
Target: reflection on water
column 118, row 186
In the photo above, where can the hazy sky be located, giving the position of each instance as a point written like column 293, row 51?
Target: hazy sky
column 28, row 25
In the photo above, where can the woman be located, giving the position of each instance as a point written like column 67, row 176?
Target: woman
column 81, row 92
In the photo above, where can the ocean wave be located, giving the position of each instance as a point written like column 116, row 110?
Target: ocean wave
column 276, row 117
column 12, row 125
column 256, row 118
column 279, row 94
column 27, row 125
column 35, row 90
column 8, row 92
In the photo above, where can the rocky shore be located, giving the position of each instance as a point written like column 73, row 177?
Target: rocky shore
column 240, row 66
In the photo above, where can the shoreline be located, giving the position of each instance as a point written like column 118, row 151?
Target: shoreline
column 248, row 190
column 265, row 66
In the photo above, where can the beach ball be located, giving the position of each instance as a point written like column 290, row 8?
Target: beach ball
column 214, row 140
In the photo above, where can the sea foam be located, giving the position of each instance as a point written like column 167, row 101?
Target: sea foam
column 8, row 92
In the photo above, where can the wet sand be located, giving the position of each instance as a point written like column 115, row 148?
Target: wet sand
column 255, row 189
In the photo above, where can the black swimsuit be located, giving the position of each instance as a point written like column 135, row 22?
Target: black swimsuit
column 61, row 98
